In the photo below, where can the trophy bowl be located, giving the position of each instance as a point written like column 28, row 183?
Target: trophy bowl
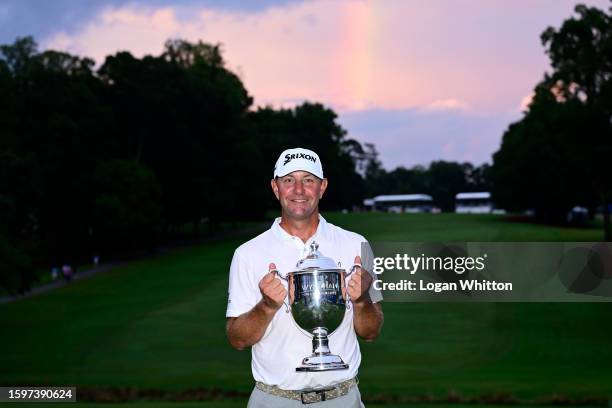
column 318, row 305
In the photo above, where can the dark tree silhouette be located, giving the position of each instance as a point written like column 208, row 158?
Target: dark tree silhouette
column 557, row 156
column 117, row 160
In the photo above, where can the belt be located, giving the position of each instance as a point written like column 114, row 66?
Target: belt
column 309, row 396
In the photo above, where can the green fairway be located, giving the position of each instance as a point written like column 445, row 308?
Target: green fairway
column 456, row 227
column 159, row 324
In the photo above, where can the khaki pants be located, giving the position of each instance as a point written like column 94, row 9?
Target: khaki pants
column 260, row 399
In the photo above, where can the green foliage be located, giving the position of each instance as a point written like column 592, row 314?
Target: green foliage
column 187, row 54
column 16, row 272
column 543, row 161
column 580, row 53
column 446, row 179
column 114, row 160
column 126, row 208
column 17, row 56
column 18, row 220
column 558, row 155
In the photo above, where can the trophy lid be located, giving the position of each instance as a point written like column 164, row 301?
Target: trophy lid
column 315, row 260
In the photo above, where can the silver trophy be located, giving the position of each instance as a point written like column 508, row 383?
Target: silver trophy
column 318, row 303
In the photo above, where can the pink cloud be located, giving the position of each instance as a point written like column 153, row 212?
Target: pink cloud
column 423, row 79
column 446, row 104
column 481, row 55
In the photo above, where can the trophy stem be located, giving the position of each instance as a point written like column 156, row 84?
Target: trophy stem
column 320, row 342
column 321, row 358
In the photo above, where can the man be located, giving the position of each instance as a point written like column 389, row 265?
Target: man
column 255, row 313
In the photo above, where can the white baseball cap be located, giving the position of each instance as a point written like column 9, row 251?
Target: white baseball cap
column 298, row 159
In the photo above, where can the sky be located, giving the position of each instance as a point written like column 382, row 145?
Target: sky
column 423, row 80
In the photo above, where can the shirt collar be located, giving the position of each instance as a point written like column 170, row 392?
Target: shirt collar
column 285, row 236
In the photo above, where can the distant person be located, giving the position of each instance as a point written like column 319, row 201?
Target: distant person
column 256, row 295
column 54, row 273
column 67, row 272
column 96, row 261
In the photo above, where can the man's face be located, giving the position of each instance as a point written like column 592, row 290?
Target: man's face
column 299, row 193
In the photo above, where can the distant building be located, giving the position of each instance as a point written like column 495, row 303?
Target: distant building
column 368, row 203
column 473, row 203
column 400, row 203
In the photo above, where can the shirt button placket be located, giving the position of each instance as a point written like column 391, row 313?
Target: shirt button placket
column 297, row 242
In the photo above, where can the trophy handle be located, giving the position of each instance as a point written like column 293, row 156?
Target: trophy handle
column 348, row 297
column 286, row 303
column 353, row 268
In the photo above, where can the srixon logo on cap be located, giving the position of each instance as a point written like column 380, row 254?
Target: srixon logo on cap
column 289, row 157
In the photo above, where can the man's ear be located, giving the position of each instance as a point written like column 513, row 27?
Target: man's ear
column 274, row 187
column 323, row 188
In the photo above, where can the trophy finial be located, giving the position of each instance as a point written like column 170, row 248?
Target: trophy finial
column 314, row 247
column 315, row 259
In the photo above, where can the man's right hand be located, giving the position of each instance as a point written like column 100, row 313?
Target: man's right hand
column 248, row 328
column 272, row 289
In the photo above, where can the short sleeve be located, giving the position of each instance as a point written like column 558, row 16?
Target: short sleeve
column 367, row 261
column 242, row 296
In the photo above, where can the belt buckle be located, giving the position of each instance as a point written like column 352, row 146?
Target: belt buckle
column 320, row 392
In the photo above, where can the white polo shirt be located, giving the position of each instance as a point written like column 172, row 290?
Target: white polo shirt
column 284, row 345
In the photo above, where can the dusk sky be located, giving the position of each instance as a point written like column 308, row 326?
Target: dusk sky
column 422, row 80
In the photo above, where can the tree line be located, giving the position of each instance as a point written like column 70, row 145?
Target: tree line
column 118, row 159
column 558, row 155
column 441, row 179
column 121, row 158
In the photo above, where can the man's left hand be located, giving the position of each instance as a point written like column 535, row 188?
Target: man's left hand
column 359, row 283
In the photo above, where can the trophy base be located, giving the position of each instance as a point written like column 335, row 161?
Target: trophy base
column 322, row 362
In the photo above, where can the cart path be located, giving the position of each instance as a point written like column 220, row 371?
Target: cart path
column 60, row 282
